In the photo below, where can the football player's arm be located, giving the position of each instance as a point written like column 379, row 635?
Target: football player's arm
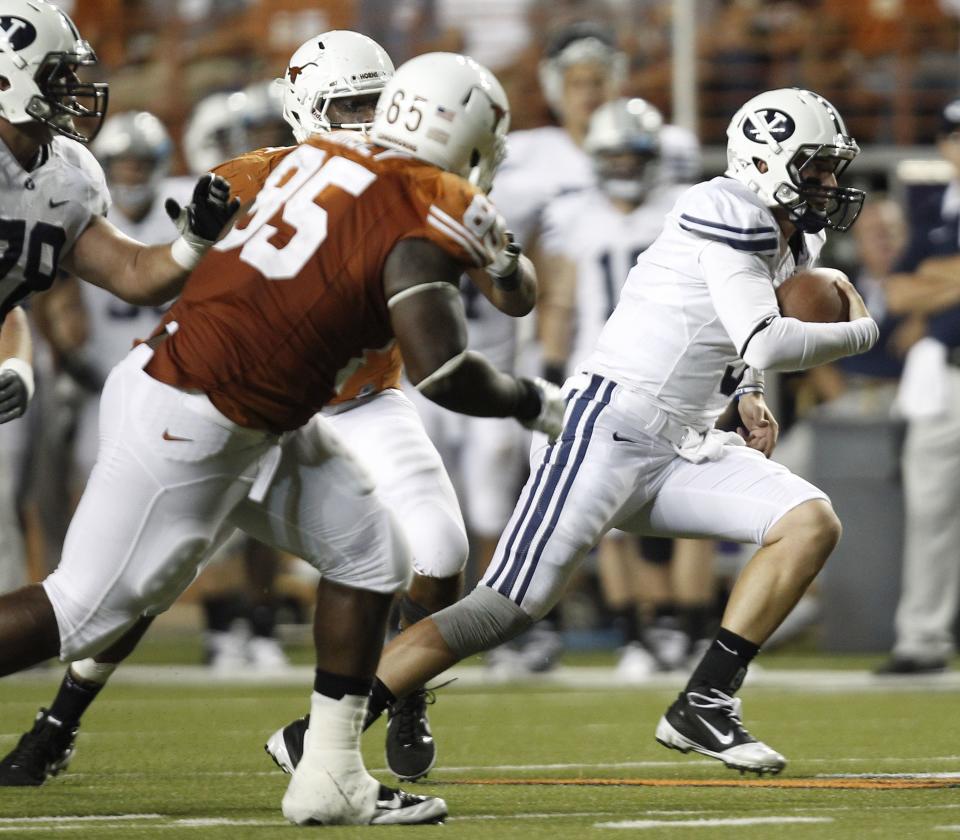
column 516, row 297
column 742, row 294
column 933, row 288
column 426, row 312
column 148, row 275
column 555, row 313
column 16, row 373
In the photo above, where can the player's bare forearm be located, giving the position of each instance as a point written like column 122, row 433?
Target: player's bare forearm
column 417, row 655
column 15, row 342
column 921, row 294
column 144, row 275
column 555, row 324
column 515, row 301
column 475, row 387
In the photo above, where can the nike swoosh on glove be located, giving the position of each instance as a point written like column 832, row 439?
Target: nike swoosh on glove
column 201, row 221
column 552, row 408
column 13, row 396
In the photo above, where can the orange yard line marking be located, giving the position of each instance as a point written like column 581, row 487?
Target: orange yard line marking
column 826, row 784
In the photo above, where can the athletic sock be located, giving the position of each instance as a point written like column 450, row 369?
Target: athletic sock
column 74, row 697
column 724, row 665
column 381, row 698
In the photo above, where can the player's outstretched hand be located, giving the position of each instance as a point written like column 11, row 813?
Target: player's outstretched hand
column 207, row 213
column 14, row 396
column 552, row 407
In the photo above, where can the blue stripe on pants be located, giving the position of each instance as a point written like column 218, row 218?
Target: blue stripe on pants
column 580, row 405
column 571, row 477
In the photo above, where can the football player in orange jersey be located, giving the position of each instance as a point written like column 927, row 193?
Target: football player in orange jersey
column 212, row 424
column 332, row 82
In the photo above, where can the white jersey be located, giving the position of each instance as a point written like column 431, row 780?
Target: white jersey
column 541, row 164
column 42, row 213
column 115, row 324
column 604, row 243
column 695, row 299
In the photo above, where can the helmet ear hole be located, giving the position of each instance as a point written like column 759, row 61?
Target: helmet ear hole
column 4, row 83
column 761, row 165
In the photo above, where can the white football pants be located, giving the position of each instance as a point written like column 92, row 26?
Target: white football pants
column 385, row 434
column 605, row 471
column 172, row 480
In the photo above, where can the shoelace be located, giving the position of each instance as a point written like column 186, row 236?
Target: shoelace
column 730, row 706
column 412, row 708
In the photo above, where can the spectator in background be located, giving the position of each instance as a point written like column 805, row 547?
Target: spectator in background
column 929, row 398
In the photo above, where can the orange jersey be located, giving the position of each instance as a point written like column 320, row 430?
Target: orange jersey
column 284, row 310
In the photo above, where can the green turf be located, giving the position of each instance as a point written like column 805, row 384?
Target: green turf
column 186, row 753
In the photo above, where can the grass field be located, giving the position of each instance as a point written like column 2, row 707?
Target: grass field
column 168, row 753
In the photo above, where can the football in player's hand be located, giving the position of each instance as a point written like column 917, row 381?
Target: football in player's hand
column 813, row 295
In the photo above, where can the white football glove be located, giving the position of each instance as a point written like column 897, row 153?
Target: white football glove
column 503, row 268
column 552, row 408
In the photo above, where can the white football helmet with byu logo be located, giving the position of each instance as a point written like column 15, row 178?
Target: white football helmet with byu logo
column 39, row 50
column 774, row 136
column 335, row 65
column 448, row 110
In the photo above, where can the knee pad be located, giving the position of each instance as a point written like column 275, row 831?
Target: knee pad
column 481, row 621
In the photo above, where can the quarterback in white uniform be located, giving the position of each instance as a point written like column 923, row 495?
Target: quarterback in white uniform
column 696, row 325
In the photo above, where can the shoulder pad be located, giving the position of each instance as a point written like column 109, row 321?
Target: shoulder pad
column 81, row 160
column 723, row 211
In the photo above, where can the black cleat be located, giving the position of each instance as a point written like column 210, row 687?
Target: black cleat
column 39, row 754
column 411, row 751
column 397, row 807
column 709, row 723
column 285, row 746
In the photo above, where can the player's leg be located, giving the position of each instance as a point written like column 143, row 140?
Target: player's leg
column 746, row 498
column 693, row 585
column 618, row 559
column 149, row 513
column 931, row 568
column 321, row 506
column 48, row 747
column 386, row 435
column 577, row 486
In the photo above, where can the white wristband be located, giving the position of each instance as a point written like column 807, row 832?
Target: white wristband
column 21, row 369
column 186, row 254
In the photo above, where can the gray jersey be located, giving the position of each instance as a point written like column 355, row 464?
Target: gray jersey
column 42, row 213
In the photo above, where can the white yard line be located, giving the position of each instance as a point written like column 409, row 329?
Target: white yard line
column 582, row 677
column 711, row 823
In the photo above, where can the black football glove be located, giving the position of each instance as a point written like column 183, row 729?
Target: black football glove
column 211, row 207
column 14, row 396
